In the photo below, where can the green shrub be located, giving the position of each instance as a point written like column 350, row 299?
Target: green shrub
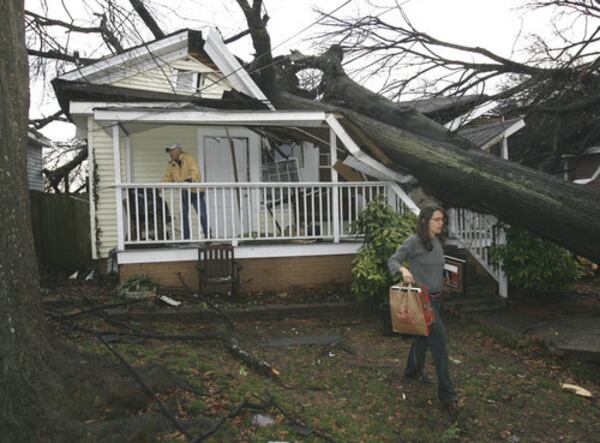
column 535, row 264
column 384, row 231
column 139, row 282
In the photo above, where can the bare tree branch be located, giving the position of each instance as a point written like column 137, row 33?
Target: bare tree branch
column 147, row 18
column 61, row 56
column 45, row 21
column 41, row 122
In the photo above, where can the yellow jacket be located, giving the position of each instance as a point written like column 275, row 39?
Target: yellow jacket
column 181, row 170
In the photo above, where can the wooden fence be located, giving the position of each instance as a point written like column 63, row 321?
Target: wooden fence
column 61, row 229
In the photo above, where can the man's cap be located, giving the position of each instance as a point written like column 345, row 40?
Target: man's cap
column 171, row 147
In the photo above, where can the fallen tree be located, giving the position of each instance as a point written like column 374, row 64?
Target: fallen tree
column 446, row 166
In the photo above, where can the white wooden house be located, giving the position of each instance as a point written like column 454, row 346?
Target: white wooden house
column 36, row 143
column 282, row 186
column 270, row 186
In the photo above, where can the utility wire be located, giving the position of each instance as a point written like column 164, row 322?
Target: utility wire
column 224, row 77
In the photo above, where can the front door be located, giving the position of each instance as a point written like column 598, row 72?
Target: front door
column 227, row 208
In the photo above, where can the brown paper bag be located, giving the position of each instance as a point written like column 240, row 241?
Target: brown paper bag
column 409, row 315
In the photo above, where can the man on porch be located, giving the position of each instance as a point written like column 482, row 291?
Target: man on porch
column 183, row 168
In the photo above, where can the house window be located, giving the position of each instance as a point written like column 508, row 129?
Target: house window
column 188, row 82
column 324, row 166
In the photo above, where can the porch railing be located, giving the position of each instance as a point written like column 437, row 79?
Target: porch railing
column 478, row 233
column 162, row 213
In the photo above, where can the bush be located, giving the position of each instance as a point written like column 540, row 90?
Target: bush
column 137, row 283
column 535, row 264
column 384, row 232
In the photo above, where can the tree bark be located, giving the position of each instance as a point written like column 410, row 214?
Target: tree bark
column 446, row 167
column 553, row 208
column 147, row 18
column 22, row 348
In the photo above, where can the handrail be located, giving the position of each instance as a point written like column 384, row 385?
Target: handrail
column 478, row 233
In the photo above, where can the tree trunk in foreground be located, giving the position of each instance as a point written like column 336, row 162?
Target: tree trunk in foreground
column 21, row 322
column 553, row 208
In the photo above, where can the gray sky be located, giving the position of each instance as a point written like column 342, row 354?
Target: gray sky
column 493, row 24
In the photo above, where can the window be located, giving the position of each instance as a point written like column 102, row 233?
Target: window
column 188, row 82
column 281, row 171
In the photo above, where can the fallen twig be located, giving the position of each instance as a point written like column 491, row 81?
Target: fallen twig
column 145, row 386
column 244, row 405
column 208, row 302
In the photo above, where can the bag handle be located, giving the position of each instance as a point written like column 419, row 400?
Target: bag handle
column 408, row 287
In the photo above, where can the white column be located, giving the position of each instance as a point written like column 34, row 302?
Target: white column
column 334, row 178
column 118, row 192
column 128, row 163
column 502, row 277
column 504, row 152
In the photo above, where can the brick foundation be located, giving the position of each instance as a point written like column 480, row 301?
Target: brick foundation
column 288, row 274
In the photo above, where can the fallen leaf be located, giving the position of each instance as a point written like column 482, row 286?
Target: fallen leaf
column 577, row 390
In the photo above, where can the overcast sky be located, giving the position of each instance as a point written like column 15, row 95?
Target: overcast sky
column 493, row 24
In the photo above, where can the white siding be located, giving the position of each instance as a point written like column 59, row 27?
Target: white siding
column 34, row 169
column 100, row 143
column 148, row 157
column 162, row 79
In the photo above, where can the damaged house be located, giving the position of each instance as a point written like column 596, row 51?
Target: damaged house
column 282, row 187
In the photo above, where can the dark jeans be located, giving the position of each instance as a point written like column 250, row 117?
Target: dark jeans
column 437, row 342
column 185, row 207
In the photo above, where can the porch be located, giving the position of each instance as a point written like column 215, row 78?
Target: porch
column 164, row 214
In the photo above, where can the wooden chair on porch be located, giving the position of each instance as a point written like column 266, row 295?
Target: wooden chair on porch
column 217, row 266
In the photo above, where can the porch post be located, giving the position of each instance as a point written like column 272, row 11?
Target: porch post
column 128, row 169
column 334, row 178
column 502, row 277
column 504, row 153
column 118, row 193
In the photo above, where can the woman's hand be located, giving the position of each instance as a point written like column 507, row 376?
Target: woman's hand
column 407, row 277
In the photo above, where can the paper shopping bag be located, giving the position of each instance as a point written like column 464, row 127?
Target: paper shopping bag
column 410, row 309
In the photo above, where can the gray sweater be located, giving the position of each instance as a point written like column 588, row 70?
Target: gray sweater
column 427, row 267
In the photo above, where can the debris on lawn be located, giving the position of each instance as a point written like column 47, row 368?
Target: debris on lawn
column 262, row 420
column 74, row 275
column 169, row 300
column 302, row 340
column 578, row 390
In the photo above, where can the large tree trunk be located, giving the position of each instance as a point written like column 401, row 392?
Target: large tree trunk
column 565, row 213
column 21, row 326
column 446, row 166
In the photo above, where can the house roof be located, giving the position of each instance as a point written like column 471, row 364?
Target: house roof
column 159, row 53
column 68, row 91
column 36, row 139
column 487, row 134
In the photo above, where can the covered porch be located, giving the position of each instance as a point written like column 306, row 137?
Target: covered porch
column 257, row 206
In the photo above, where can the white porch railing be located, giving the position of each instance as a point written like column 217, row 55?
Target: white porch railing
column 156, row 213
column 478, row 233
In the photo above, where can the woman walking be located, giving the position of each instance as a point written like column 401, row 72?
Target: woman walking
column 425, row 254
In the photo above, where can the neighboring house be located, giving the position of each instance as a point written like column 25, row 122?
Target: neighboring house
column 464, row 115
column 270, row 176
column 492, row 135
column 36, row 143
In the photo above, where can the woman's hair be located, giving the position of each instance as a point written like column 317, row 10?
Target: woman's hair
column 423, row 225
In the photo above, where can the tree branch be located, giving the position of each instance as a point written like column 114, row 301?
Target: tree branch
column 55, row 55
column 56, row 175
column 147, row 18
column 45, row 21
column 41, row 122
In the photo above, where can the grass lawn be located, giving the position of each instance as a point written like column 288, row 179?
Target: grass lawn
column 354, row 392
